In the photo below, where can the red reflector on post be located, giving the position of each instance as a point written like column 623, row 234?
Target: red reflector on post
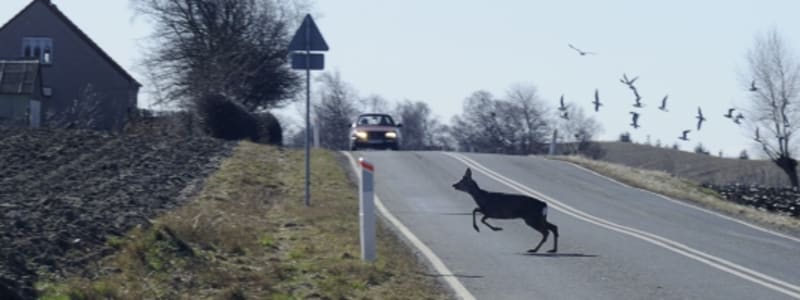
column 366, row 165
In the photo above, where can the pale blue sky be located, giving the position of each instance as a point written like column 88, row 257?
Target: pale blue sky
column 442, row 51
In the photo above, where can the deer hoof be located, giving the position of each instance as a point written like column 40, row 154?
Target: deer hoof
column 497, row 228
column 552, row 251
column 476, row 228
column 533, row 250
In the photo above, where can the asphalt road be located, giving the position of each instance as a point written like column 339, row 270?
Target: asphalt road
column 616, row 242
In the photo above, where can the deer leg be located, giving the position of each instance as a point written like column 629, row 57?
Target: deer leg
column 475, row 225
column 537, row 224
column 554, row 229
column 483, row 220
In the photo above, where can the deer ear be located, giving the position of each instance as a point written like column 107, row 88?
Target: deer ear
column 469, row 173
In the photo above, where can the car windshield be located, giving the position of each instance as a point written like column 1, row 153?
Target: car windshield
column 375, row 120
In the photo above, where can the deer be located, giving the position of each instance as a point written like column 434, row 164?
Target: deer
column 508, row 206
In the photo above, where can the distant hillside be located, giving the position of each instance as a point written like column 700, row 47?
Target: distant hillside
column 697, row 167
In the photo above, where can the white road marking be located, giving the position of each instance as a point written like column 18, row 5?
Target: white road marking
column 756, row 227
column 713, row 261
column 426, row 251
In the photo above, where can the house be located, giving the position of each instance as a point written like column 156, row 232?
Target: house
column 20, row 92
column 79, row 83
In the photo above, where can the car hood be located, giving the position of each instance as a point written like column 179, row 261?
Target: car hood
column 375, row 128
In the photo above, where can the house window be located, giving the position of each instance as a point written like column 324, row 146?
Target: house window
column 39, row 48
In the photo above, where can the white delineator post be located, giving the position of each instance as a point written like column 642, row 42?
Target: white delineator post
column 366, row 211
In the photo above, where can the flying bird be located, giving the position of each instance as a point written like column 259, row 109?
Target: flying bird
column 700, row 118
column 581, row 52
column 753, row 87
column 730, row 113
column 635, row 121
column 684, row 137
column 596, row 101
column 638, row 99
column 664, row 103
column 738, row 118
column 626, row 81
column 629, row 83
column 563, row 107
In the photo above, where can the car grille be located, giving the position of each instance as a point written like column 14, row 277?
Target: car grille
column 376, row 135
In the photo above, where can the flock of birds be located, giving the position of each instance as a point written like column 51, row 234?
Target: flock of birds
column 629, row 82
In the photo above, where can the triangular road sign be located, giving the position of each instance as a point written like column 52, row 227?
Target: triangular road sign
column 308, row 37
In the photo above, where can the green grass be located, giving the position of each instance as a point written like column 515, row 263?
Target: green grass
column 249, row 236
column 682, row 189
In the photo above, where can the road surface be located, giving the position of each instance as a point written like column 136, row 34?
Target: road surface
column 616, row 242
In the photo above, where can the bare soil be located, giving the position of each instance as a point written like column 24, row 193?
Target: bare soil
column 65, row 193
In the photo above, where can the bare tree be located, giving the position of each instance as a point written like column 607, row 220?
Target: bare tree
column 233, row 48
column 533, row 112
column 421, row 130
column 578, row 131
column 774, row 100
column 515, row 125
column 335, row 111
column 84, row 112
column 478, row 128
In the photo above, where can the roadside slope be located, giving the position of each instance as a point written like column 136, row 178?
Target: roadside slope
column 249, row 236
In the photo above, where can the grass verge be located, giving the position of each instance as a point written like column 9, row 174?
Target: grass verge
column 249, row 236
column 683, row 189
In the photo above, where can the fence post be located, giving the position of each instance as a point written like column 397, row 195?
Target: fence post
column 366, row 211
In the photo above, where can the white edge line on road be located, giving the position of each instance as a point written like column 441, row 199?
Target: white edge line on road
column 729, row 218
column 434, row 260
column 713, row 261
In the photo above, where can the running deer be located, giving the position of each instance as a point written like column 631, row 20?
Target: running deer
column 508, row 206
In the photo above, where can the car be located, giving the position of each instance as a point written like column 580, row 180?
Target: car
column 375, row 130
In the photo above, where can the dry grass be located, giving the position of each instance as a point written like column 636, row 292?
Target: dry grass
column 249, row 236
column 696, row 167
column 683, row 189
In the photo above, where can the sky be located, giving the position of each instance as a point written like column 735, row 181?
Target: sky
column 442, row 51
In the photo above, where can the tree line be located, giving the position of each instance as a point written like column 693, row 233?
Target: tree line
column 518, row 123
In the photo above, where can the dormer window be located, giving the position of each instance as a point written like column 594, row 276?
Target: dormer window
column 38, row 48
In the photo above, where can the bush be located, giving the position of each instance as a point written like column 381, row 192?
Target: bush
column 227, row 120
column 699, row 149
column 625, row 137
column 743, row 155
column 269, row 129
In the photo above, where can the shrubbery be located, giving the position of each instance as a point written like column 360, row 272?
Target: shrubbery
column 227, row 120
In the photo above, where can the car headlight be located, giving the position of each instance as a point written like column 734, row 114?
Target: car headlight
column 391, row 135
column 361, row 135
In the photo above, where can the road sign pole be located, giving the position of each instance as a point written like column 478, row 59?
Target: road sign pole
column 366, row 212
column 308, row 116
column 307, row 39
